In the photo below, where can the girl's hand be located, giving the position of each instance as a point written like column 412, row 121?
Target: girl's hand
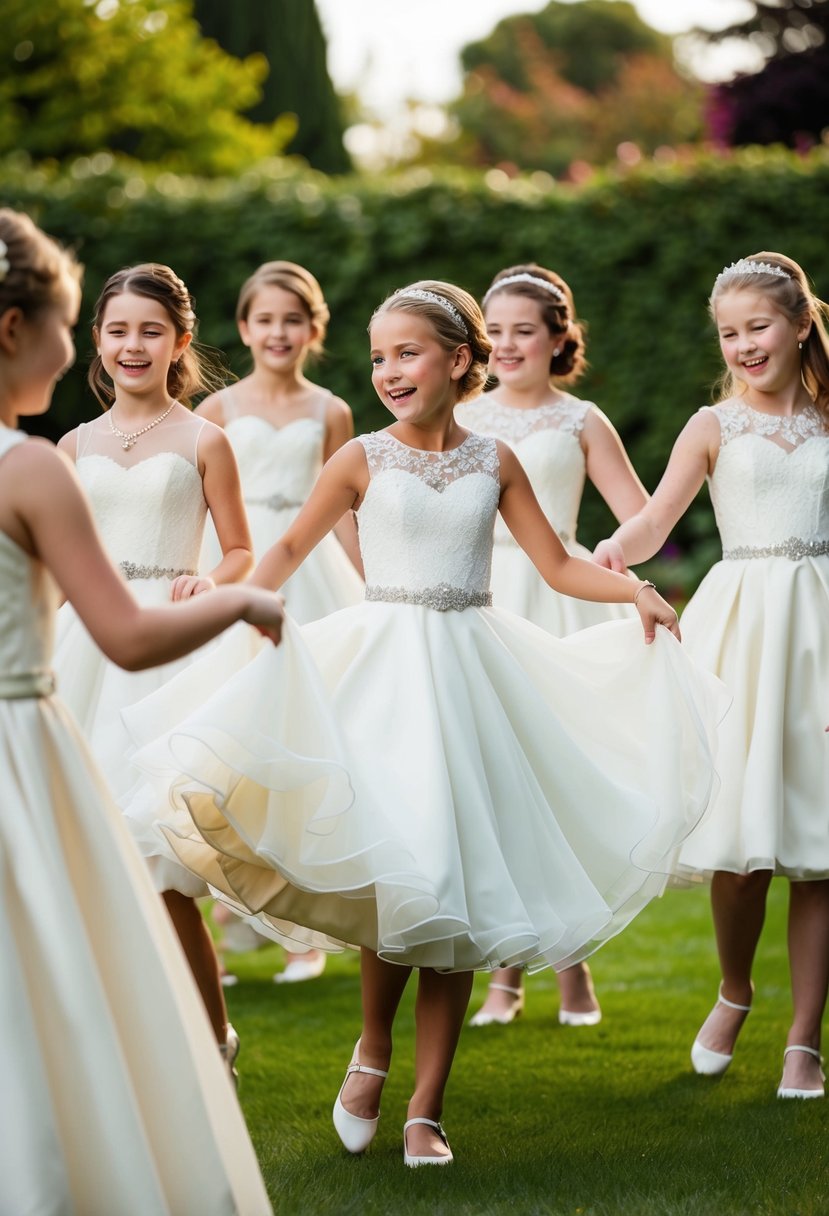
column 609, row 553
column 265, row 611
column 653, row 611
column 187, row 585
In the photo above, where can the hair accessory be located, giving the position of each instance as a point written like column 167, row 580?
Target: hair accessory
column 5, row 264
column 431, row 297
column 523, row 277
column 747, row 266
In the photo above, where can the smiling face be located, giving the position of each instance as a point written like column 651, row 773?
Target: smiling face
column 759, row 343
column 522, row 344
column 137, row 341
column 413, row 375
column 277, row 328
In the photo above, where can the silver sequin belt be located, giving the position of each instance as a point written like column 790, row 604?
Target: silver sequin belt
column 793, row 548
column 133, row 570
column 27, row 684
column 276, row 502
column 442, row 598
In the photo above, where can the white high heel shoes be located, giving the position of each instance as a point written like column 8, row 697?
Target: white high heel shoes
column 787, row 1092
column 483, row 1018
column 710, row 1063
column 355, row 1133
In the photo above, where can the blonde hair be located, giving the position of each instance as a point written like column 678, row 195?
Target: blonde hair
column 37, row 265
column 296, row 279
column 558, row 314
column 197, row 369
column 792, row 294
column 457, row 321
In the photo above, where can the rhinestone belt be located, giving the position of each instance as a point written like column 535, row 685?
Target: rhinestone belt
column 442, row 597
column 27, row 684
column 132, row 570
column 276, row 502
column 793, row 548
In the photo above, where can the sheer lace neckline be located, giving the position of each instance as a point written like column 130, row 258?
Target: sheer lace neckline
column 425, row 451
column 786, row 431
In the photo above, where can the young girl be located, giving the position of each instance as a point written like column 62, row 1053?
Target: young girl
column 759, row 620
column 111, row 1086
column 152, row 471
column 283, row 428
column 537, row 348
column 473, row 739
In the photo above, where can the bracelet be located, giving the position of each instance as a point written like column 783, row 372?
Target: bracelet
column 641, row 589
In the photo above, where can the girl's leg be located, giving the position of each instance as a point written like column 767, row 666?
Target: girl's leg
column 504, row 998
column 440, row 1010
column 575, row 985
column 738, row 902
column 809, row 964
column 198, row 947
column 382, row 987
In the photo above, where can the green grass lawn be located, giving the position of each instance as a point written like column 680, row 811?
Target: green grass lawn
column 604, row 1121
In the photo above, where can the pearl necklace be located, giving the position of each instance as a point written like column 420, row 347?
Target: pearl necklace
column 128, row 438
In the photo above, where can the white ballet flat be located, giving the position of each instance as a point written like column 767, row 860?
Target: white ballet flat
column 355, row 1133
column 301, row 969
column 408, row 1159
column 802, row 1093
column 570, row 1017
column 482, row 1018
column 710, row 1063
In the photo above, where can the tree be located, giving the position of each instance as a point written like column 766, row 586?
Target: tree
column 134, row 77
column 290, row 37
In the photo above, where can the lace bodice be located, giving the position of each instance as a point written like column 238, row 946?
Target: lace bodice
column 150, row 508
column 427, row 517
column 547, row 442
column 770, row 485
column 278, row 465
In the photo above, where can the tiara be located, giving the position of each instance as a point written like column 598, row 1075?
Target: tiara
column 5, row 264
column 431, row 297
column 747, row 266
column 523, row 277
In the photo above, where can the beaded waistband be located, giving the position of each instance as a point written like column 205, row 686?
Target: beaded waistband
column 275, row 502
column 793, row 548
column 132, row 570
column 26, row 684
column 442, row 598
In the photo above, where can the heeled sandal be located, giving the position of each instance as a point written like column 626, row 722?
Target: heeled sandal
column 413, row 1161
column 710, row 1063
column 787, row 1092
column 355, row 1132
column 484, row 1018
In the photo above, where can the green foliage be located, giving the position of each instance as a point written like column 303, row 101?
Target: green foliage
column 133, row 77
column 640, row 251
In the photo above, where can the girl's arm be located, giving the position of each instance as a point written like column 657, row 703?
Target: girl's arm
column 340, row 487
column 609, row 467
column 692, row 459
column 51, row 519
column 339, row 429
column 570, row 575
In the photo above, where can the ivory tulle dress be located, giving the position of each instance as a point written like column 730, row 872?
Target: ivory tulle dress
column 547, row 442
column 278, row 467
column 113, row 1097
column 760, row 620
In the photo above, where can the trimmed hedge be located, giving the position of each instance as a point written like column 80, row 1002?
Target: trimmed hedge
column 640, row 251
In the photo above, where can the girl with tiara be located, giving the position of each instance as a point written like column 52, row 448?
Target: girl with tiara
column 537, row 349
column 152, row 471
column 473, row 740
column 112, row 1090
column 759, row 620
column 282, row 428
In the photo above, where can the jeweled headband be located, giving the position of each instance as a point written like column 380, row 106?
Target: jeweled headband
column 747, row 266
column 431, row 297
column 523, row 277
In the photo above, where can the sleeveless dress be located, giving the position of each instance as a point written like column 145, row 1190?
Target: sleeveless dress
column 150, row 509
column 760, row 621
column 473, row 742
column 547, row 442
column 113, row 1098
column 278, row 467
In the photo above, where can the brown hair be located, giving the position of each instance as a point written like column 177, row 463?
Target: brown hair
column 37, row 265
column 460, row 324
column 290, row 277
column 559, row 315
column 196, row 370
column 792, row 294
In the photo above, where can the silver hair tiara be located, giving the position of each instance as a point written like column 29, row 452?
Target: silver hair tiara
column 747, row 266
column 523, row 277
column 431, row 297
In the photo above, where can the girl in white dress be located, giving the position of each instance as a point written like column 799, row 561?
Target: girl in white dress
column 283, row 428
column 537, row 350
column 113, row 1097
column 473, row 739
column 760, row 620
column 152, row 472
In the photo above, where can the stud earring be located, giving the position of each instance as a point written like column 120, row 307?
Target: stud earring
column 800, row 346
column 556, row 352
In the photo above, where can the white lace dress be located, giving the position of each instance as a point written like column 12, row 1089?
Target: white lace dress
column 113, row 1099
column 547, row 441
column 278, row 467
column 760, row 620
column 473, row 741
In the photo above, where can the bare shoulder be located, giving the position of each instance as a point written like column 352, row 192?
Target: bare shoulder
column 68, row 443
column 212, row 408
column 703, row 427
column 213, row 442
